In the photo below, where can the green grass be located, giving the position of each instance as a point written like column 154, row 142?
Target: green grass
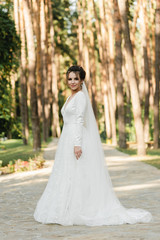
column 154, row 162
column 127, row 151
column 150, row 152
column 14, row 149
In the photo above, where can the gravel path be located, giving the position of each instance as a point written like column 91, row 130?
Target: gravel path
column 136, row 184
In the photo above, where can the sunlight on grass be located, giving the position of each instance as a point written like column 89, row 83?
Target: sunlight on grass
column 155, row 153
column 154, row 162
column 127, row 151
column 13, row 149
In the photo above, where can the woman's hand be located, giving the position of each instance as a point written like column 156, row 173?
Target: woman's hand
column 77, row 151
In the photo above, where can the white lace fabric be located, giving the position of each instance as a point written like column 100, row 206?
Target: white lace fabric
column 80, row 192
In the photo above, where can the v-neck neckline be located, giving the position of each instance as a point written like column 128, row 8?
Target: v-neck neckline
column 66, row 104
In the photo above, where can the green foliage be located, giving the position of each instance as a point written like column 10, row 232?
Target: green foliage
column 16, row 130
column 150, row 152
column 19, row 166
column 5, row 105
column 129, row 120
column 129, row 151
column 131, row 11
column 8, row 124
column 9, row 52
column 154, row 162
column 13, row 149
column 62, row 19
column 9, row 44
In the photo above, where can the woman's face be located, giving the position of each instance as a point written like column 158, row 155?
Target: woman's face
column 74, row 81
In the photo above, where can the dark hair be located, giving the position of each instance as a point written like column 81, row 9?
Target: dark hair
column 76, row 69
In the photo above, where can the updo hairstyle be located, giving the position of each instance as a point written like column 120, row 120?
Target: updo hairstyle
column 76, row 69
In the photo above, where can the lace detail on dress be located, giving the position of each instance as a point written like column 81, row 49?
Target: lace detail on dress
column 78, row 193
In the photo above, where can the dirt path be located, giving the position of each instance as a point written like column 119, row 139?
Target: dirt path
column 136, row 184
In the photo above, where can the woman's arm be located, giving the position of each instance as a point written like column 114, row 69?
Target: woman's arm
column 80, row 103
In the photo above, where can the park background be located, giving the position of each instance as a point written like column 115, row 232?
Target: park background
column 117, row 43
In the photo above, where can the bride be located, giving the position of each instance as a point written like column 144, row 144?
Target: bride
column 79, row 190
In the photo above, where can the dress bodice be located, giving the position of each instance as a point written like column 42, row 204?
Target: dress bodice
column 73, row 112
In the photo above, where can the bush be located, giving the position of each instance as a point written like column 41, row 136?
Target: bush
column 34, row 163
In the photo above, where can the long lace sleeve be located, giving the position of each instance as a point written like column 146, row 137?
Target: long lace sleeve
column 80, row 111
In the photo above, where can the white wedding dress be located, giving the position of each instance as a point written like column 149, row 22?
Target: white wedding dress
column 80, row 192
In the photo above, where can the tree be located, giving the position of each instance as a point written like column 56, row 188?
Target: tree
column 119, row 77
column 80, row 33
column 123, row 8
column 104, row 73
column 146, row 67
column 9, row 44
column 92, row 57
column 37, row 30
column 32, row 75
column 23, row 81
column 54, row 87
column 45, row 106
column 157, row 76
column 9, row 52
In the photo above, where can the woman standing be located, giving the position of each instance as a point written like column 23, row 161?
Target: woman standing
column 79, row 190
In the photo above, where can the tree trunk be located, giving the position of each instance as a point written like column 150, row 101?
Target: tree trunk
column 36, row 19
column 92, row 58
column 104, row 76
column 39, row 67
column 86, row 58
column 80, row 34
column 123, row 8
column 146, row 69
column 49, row 66
column 32, row 76
column 128, row 118
column 119, row 77
column 140, row 81
column 23, row 81
column 111, row 51
column 157, row 75
column 45, row 107
column 152, row 22
column 103, row 84
column 16, row 15
column 104, row 43
column 48, row 61
column 14, row 75
column 56, row 131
